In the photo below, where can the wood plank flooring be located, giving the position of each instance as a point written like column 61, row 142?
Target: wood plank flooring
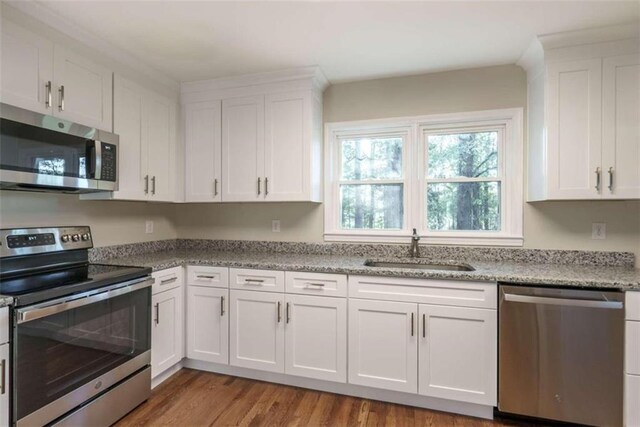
column 195, row 398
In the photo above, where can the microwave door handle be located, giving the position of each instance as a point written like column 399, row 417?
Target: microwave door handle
column 98, row 171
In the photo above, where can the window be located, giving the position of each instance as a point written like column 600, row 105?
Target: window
column 461, row 182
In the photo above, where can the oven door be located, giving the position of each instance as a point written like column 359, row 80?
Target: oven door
column 70, row 350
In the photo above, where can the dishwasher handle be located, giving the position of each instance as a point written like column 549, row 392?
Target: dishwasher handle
column 589, row 303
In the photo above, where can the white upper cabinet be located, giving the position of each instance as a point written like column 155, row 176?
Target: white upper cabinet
column 26, row 67
column 267, row 145
column 203, row 148
column 621, row 126
column 146, row 123
column 40, row 76
column 584, row 115
column 243, row 149
column 84, row 89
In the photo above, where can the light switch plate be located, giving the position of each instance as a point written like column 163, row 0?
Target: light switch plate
column 275, row 225
column 148, row 227
column 598, row 231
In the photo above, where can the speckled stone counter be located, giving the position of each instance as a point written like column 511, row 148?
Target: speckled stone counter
column 622, row 277
column 5, row 301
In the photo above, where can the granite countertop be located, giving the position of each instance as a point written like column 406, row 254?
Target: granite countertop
column 621, row 278
column 5, row 301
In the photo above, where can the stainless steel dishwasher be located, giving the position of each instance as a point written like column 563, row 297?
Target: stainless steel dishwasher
column 561, row 354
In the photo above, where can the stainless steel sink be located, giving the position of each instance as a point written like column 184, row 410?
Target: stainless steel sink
column 419, row 266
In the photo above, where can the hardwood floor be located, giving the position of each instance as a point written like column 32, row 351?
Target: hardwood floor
column 195, row 398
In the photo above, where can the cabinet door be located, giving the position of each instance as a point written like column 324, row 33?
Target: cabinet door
column 383, row 345
column 574, row 104
column 631, row 399
column 288, row 119
column 83, row 90
column 128, row 123
column 458, row 357
column 256, row 334
column 4, row 384
column 167, row 330
column 316, row 337
column 243, row 149
column 203, row 138
column 159, row 137
column 207, row 324
column 621, row 126
column 26, row 67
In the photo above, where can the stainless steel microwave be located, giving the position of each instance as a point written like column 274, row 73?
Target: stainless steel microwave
column 45, row 153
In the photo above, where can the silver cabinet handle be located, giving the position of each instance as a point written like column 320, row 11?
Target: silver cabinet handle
column 48, row 100
column 3, row 383
column 598, row 178
column 165, row 281
column 153, row 185
column 412, row 327
column 610, row 179
column 315, row 284
column 61, row 102
column 287, row 314
column 146, row 184
column 215, row 187
column 205, row 277
column 259, row 186
column 266, row 187
column 221, row 306
column 279, row 311
column 257, row 282
column 157, row 319
column 424, row 326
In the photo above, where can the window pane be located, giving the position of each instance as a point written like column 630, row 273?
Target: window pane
column 371, row 206
column 463, row 206
column 472, row 154
column 371, row 158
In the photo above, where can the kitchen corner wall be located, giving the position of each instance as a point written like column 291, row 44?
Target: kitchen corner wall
column 557, row 225
column 111, row 222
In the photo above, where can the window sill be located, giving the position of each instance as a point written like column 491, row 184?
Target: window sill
column 429, row 240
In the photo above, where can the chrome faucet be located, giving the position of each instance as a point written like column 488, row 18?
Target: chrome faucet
column 414, row 251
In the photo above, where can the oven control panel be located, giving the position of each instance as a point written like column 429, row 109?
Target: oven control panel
column 27, row 241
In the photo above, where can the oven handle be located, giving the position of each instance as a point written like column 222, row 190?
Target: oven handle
column 58, row 306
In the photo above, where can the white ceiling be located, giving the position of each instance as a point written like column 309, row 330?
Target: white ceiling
column 349, row 40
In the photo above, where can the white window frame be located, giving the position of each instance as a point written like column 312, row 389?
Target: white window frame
column 509, row 121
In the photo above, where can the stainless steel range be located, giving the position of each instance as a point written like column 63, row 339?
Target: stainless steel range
column 81, row 332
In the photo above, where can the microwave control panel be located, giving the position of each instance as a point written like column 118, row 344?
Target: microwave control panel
column 109, row 159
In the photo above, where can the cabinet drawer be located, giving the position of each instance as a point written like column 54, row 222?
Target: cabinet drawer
column 426, row 291
column 202, row 275
column 4, row 325
column 334, row 285
column 632, row 303
column 632, row 348
column 256, row 280
column 167, row 279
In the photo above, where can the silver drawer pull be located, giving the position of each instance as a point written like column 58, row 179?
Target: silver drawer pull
column 321, row 285
column 202, row 276
column 257, row 282
column 165, row 281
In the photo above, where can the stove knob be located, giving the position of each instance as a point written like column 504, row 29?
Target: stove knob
column 85, row 237
column 75, row 237
column 65, row 238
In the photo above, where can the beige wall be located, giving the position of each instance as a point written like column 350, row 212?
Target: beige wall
column 111, row 222
column 561, row 225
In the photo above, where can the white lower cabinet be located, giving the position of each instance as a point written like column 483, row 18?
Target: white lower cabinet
column 256, row 333
column 632, row 401
column 383, row 345
column 316, row 337
column 208, row 324
column 457, row 353
column 4, row 384
column 167, row 346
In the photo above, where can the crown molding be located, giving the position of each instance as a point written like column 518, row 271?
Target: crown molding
column 40, row 12
column 590, row 36
column 313, row 73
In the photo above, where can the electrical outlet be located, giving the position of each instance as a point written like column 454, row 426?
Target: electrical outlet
column 148, row 227
column 275, row 225
column 598, row 230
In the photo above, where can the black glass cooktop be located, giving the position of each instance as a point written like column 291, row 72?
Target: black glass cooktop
column 32, row 288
